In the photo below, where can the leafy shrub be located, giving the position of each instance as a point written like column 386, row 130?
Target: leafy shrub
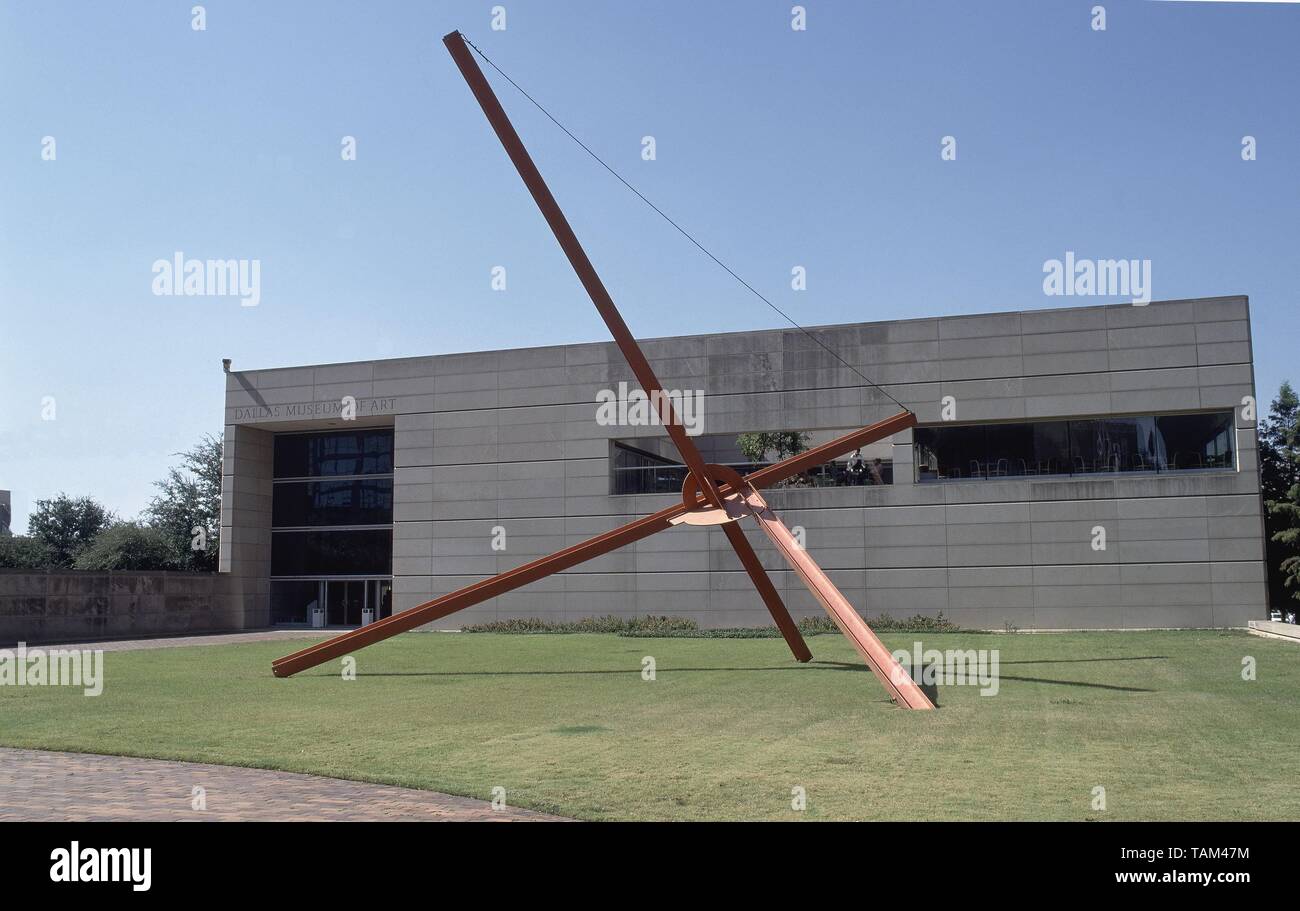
column 129, row 546
column 736, row 632
column 23, row 552
column 816, row 625
column 606, row 624
column 916, row 624
column 808, row 626
column 685, row 628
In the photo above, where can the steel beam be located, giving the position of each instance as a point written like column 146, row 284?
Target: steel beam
column 473, row 594
column 595, row 288
column 820, row 455
column 896, row 681
column 766, row 590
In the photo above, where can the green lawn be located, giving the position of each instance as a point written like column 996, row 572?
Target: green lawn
column 1162, row 720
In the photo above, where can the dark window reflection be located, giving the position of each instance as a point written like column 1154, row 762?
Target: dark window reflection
column 1081, row 447
column 355, row 502
column 292, row 601
column 951, row 452
column 1115, row 444
column 636, row 471
column 362, row 451
column 302, row 553
column 1197, row 440
column 1051, row 447
column 1008, row 449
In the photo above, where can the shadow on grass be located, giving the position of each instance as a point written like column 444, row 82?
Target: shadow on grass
column 816, row 665
column 1088, row 660
column 1005, row 677
column 626, row 671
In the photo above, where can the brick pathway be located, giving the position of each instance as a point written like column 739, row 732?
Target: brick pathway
column 40, row 785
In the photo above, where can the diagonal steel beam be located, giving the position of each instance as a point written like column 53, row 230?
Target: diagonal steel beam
column 820, row 455
column 348, row 642
column 595, row 288
column 896, row 681
column 474, row 594
column 767, row 591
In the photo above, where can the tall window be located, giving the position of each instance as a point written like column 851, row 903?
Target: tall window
column 331, row 514
column 1144, row 443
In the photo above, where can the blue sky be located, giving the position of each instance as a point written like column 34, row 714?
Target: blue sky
column 775, row 147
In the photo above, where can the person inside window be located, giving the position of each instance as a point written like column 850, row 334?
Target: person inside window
column 877, row 475
column 857, row 467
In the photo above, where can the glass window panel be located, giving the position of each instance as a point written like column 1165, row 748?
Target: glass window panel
column 1051, row 448
column 361, row 451
column 302, row 553
column 1010, row 450
column 1088, row 447
column 995, row 450
column 1080, row 447
column 638, row 471
column 945, row 453
column 1114, row 444
column 292, row 601
column 356, row 502
column 1197, row 440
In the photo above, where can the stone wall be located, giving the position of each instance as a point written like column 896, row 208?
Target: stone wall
column 244, row 556
column 38, row 607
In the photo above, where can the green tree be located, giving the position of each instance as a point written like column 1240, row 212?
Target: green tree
column 1279, row 469
column 129, row 545
column 783, row 443
column 66, row 526
column 188, row 506
column 23, row 552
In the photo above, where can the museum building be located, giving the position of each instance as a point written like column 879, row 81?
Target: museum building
column 1091, row 467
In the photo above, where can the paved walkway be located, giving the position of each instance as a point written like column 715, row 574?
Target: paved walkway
column 1272, row 629
column 45, row 786
column 131, row 645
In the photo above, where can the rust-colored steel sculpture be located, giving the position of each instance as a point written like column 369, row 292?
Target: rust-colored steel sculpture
column 664, row 519
column 896, row 681
column 711, row 494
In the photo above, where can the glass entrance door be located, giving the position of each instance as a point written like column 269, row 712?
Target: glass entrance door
column 344, row 602
column 379, row 598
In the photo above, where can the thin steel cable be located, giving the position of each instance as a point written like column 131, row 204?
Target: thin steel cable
column 679, row 228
